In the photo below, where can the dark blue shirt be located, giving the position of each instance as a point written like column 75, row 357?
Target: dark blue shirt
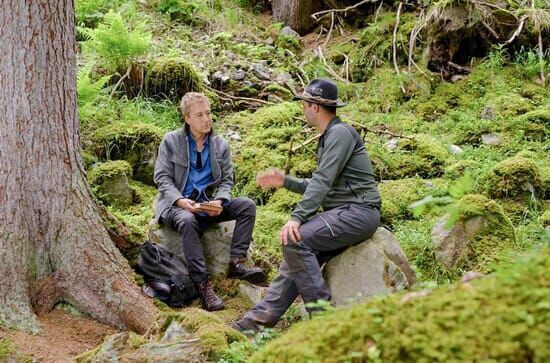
column 200, row 171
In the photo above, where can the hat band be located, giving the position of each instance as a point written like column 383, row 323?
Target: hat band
column 320, row 99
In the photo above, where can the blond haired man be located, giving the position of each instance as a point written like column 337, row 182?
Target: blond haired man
column 194, row 166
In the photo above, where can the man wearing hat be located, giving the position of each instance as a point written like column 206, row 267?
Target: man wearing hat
column 340, row 207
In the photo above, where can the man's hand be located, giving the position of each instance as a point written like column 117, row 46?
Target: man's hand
column 219, row 203
column 290, row 232
column 273, row 178
column 187, row 204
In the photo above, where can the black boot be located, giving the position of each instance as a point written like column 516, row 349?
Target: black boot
column 210, row 301
column 238, row 270
column 247, row 326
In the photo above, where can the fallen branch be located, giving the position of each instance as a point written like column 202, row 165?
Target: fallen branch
column 324, row 12
column 126, row 75
column 292, row 150
column 378, row 132
column 238, row 98
column 327, row 67
column 518, row 30
column 394, row 46
column 330, row 30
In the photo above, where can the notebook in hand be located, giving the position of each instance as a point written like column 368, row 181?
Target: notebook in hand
column 208, row 207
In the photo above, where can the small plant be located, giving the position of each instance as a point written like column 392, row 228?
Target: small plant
column 528, row 63
column 456, row 191
column 496, row 59
column 88, row 89
column 115, row 45
column 239, row 352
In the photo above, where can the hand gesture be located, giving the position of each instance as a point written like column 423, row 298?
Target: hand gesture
column 272, row 178
column 290, row 232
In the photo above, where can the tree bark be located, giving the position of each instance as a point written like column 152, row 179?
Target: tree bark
column 53, row 246
column 294, row 13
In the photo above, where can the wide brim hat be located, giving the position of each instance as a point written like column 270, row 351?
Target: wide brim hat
column 322, row 92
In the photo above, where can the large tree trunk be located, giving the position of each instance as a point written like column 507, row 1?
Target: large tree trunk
column 294, row 13
column 53, row 246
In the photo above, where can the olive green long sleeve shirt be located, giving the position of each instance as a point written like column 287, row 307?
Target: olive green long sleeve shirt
column 344, row 174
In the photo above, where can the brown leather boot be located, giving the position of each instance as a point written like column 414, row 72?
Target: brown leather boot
column 210, row 301
column 238, row 270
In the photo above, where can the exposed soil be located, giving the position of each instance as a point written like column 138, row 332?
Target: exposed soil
column 63, row 337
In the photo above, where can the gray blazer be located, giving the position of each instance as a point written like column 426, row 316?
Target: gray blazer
column 172, row 169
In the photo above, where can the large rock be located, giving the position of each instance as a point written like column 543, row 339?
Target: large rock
column 451, row 245
column 377, row 266
column 216, row 243
column 478, row 238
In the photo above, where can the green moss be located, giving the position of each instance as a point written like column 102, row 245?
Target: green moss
column 422, row 156
column 511, row 177
column 136, row 143
column 288, row 42
column 171, row 77
column 512, row 105
column 398, row 195
column 88, row 159
column 540, row 116
column 545, row 218
column 458, row 169
column 492, row 244
column 209, row 328
column 375, row 47
column 283, row 200
column 267, row 248
column 266, row 136
column 278, row 90
column 499, row 318
column 9, row 353
column 109, row 170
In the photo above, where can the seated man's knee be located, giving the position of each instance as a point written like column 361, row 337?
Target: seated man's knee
column 248, row 205
column 184, row 221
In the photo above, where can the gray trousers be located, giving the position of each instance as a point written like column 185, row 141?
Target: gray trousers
column 323, row 236
column 191, row 227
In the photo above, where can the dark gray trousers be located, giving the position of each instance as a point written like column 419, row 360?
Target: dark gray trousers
column 191, row 227
column 323, row 236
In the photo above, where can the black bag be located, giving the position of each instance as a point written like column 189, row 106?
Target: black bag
column 166, row 274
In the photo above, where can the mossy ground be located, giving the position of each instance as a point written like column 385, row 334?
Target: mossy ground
column 499, row 318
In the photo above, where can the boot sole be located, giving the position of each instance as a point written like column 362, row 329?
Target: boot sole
column 215, row 308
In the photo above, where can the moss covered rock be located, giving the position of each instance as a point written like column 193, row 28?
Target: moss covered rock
column 480, row 238
column 212, row 331
column 501, row 318
column 109, row 181
column 515, row 176
column 171, row 78
column 398, row 195
column 421, row 156
column 136, row 143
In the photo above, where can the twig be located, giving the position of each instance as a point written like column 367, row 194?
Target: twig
column 126, row 75
column 323, row 12
column 378, row 11
column 305, row 143
column 488, row 27
column 330, row 30
column 289, row 156
column 239, row 98
column 365, row 128
column 412, row 43
column 394, row 46
column 292, row 150
column 518, row 30
column 327, row 67
column 541, row 59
